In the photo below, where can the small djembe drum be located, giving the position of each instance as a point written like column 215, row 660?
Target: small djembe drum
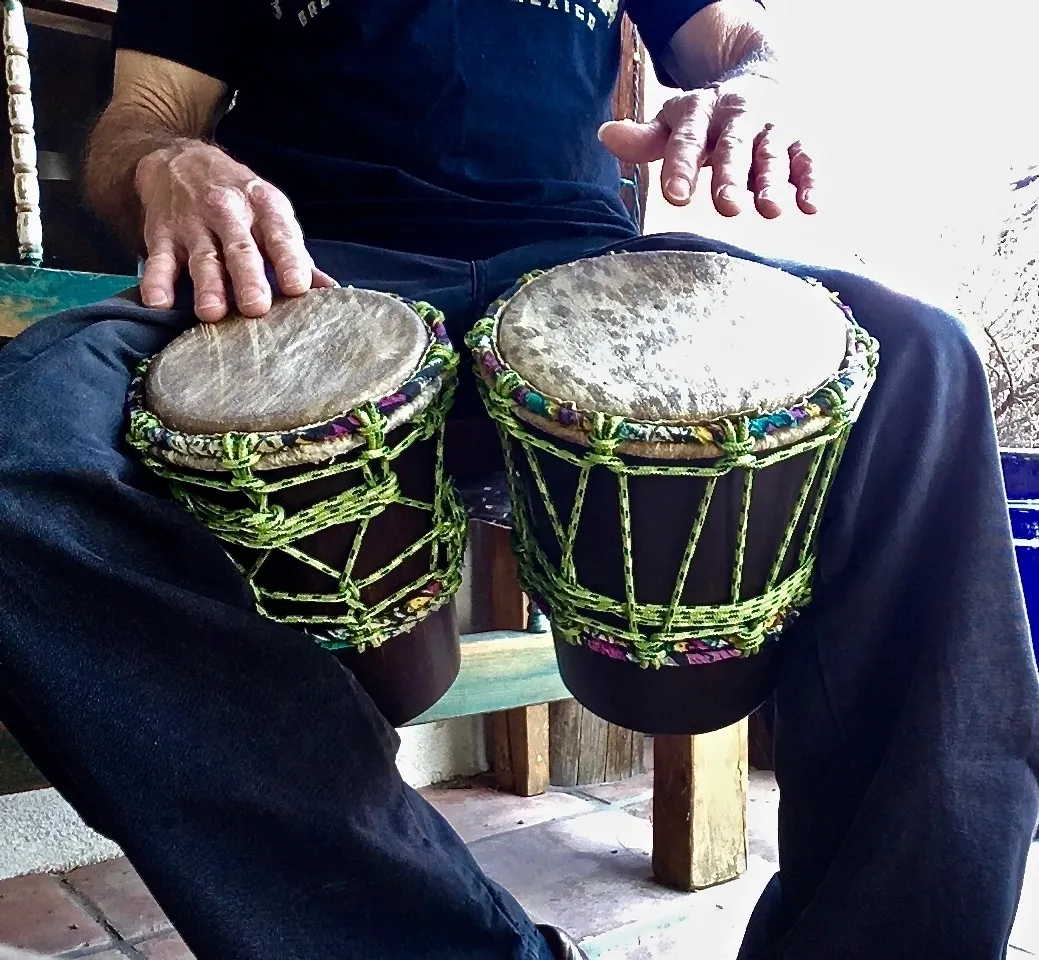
column 671, row 424
column 310, row 443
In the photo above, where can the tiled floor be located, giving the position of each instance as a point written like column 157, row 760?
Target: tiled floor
column 578, row 858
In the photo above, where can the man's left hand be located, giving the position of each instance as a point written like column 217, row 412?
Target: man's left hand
column 735, row 127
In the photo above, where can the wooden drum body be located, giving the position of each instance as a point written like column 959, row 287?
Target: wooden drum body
column 310, row 442
column 671, row 423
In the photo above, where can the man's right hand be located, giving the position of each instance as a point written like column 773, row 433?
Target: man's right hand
column 205, row 210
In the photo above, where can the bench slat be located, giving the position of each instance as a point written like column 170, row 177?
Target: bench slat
column 501, row 670
column 28, row 294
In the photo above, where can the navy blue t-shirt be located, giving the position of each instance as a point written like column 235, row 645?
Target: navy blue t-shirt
column 459, row 127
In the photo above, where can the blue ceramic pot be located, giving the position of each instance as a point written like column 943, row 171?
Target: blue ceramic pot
column 1021, row 478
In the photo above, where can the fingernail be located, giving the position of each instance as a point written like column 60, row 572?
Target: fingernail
column 807, row 197
column 765, row 195
column 156, row 300
column 295, row 278
column 209, row 302
column 250, row 295
column 678, row 188
column 728, row 194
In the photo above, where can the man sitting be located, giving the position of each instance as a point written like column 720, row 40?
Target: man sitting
column 439, row 150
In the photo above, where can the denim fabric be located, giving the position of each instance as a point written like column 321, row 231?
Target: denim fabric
column 252, row 783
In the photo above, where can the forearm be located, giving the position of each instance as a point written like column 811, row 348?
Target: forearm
column 724, row 39
column 123, row 136
column 156, row 105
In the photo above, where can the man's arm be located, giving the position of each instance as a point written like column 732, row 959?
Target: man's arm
column 725, row 38
column 183, row 201
column 155, row 104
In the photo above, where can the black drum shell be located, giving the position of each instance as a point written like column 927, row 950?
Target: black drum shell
column 406, row 674
column 688, row 699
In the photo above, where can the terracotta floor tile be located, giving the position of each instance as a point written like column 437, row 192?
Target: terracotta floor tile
column 36, row 913
column 476, row 811
column 165, row 948
column 121, row 897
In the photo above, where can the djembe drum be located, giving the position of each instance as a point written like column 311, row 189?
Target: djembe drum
column 310, row 442
column 671, row 424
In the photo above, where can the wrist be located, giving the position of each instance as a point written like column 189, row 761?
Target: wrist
column 724, row 40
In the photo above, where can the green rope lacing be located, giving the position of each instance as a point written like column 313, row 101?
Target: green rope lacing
column 652, row 632
column 265, row 527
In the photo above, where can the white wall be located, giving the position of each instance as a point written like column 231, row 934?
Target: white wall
column 440, row 751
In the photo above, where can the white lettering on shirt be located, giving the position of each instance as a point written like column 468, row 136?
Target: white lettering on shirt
column 608, row 8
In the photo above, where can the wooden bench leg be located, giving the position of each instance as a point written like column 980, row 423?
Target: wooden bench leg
column 586, row 750
column 519, row 749
column 518, row 739
column 700, row 808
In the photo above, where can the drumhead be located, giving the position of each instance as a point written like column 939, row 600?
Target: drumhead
column 309, row 360
column 673, row 337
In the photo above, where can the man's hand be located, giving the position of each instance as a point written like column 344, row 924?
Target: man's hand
column 733, row 117
column 736, row 128
column 204, row 210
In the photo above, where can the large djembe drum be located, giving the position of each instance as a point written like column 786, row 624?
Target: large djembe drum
column 671, row 423
column 310, row 442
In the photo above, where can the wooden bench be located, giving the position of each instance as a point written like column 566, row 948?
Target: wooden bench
column 508, row 671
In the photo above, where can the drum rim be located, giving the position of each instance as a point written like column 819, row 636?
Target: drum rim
column 672, row 439
column 308, row 443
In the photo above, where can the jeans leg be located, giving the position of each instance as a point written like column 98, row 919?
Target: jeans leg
column 907, row 730
column 245, row 774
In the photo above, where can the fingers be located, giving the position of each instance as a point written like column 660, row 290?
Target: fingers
column 321, row 280
column 632, row 142
column 770, row 173
column 161, row 269
column 802, row 176
column 207, row 277
column 282, row 238
column 230, row 218
column 689, row 120
column 222, row 221
column 728, row 128
column 732, row 159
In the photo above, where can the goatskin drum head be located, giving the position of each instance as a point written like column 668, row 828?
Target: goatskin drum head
column 672, row 336
column 310, row 359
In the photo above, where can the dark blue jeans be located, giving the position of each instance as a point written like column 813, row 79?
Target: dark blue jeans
column 252, row 783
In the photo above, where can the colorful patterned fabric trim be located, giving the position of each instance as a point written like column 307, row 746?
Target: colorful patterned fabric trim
column 699, row 653
column 696, row 652
column 842, row 390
